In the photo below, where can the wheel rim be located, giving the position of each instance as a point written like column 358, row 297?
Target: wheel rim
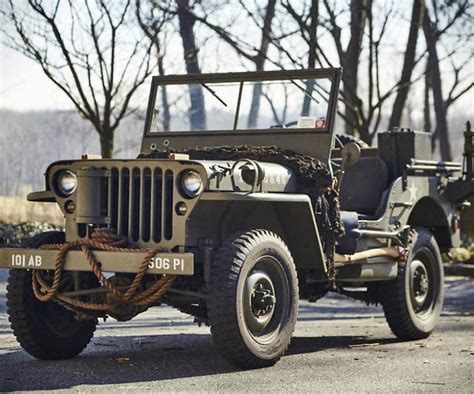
column 422, row 283
column 266, row 299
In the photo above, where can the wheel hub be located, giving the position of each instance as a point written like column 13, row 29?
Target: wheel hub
column 261, row 301
column 420, row 283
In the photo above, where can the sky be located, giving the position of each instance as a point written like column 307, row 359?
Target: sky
column 23, row 85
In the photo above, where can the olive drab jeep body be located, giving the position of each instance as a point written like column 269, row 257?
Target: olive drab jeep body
column 242, row 201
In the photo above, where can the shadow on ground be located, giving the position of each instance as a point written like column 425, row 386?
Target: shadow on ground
column 120, row 359
column 111, row 360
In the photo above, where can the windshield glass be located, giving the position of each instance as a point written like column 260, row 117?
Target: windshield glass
column 241, row 105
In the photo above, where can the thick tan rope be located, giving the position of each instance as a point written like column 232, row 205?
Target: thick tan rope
column 102, row 240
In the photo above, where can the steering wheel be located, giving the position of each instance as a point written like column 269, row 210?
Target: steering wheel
column 339, row 143
column 285, row 125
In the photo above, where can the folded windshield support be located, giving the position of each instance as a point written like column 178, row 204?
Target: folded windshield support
column 237, row 110
column 213, row 92
column 306, row 93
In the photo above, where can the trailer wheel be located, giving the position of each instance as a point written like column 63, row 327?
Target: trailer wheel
column 253, row 299
column 46, row 330
column 412, row 303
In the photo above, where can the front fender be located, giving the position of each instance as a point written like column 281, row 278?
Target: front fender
column 219, row 215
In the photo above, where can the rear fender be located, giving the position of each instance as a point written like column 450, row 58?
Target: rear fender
column 429, row 213
column 419, row 202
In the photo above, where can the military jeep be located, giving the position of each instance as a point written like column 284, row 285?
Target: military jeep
column 242, row 201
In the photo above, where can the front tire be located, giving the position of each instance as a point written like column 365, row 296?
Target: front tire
column 253, row 299
column 46, row 330
column 412, row 303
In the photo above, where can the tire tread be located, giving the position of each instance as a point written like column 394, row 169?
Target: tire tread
column 224, row 328
column 20, row 309
column 393, row 295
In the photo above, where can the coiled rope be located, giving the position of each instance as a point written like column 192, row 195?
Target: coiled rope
column 102, row 239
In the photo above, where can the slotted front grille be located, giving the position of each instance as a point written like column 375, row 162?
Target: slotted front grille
column 137, row 202
column 140, row 203
column 136, row 198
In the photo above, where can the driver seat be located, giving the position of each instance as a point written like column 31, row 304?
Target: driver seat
column 363, row 186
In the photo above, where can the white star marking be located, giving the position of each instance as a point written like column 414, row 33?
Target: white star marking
column 413, row 190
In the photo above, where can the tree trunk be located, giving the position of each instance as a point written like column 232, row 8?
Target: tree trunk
column 254, row 105
column 364, row 131
column 106, row 143
column 164, row 97
column 314, row 12
column 408, row 64
column 427, row 105
column 441, row 130
column 350, row 61
column 197, row 113
column 260, row 63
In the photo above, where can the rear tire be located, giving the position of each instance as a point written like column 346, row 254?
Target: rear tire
column 253, row 299
column 412, row 303
column 45, row 330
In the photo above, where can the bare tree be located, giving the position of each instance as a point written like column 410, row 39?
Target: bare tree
column 89, row 52
column 307, row 25
column 183, row 12
column 433, row 33
column 427, row 101
column 441, row 130
column 408, row 64
column 257, row 53
column 153, row 23
column 350, row 57
column 186, row 24
column 362, row 116
column 259, row 60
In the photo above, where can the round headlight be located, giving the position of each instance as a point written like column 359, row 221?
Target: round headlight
column 192, row 183
column 66, row 182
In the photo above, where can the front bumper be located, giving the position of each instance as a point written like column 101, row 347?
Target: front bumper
column 127, row 262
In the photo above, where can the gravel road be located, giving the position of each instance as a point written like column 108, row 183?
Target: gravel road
column 338, row 345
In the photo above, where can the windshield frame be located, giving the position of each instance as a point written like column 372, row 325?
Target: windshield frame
column 334, row 74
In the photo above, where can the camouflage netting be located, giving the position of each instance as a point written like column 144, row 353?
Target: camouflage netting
column 314, row 179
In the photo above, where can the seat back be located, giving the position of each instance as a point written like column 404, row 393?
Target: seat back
column 363, row 185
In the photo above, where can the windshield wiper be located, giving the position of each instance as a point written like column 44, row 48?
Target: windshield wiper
column 214, row 94
column 304, row 91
